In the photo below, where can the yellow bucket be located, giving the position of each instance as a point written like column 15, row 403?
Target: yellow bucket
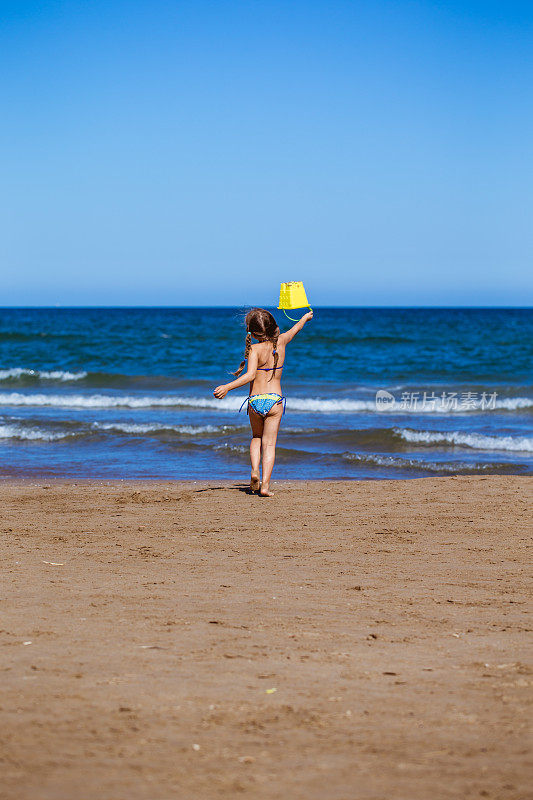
column 292, row 295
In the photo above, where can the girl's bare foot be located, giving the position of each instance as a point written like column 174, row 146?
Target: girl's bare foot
column 255, row 483
column 264, row 492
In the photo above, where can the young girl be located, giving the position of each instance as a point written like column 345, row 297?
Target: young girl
column 265, row 401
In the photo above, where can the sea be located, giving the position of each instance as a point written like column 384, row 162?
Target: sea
column 372, row 393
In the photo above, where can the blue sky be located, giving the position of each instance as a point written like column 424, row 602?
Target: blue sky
column 175, row 153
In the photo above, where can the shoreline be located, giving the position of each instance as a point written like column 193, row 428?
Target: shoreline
column 174, row 639
column 58, row 479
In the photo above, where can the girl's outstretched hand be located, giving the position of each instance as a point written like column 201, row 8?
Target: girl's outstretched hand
column 308, row 316
column 220, row 392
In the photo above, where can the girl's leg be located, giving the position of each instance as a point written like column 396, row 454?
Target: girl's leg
column 256, row 421
column 270, row 434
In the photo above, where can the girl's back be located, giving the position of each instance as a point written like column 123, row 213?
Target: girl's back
column 266, row 380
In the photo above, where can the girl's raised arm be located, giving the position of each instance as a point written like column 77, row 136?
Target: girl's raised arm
column 289, row 335
column 246, row 377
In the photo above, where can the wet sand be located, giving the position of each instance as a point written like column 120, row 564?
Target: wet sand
column 342, row 640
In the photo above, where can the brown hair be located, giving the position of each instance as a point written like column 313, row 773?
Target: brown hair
column 262, row 326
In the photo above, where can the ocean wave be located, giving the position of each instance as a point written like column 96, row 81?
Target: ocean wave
column 306, row 405
column 394, row 463
column 30, row 434
column 173, row 401
column 76, row 430
column 16, row 373
column 27, row 377
column 419, row 465
column 239, row 449
column 88, row 401
column 154, row 427
column 404, row 438
column 476, row 441
column 333, row 405
column 117, row 401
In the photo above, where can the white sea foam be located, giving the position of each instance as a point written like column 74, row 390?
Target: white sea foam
column 29, row 434
column 48, row 375
column 125, row 401
column 397, row 462
column 514, row 403
column 137, row 428
column 116, row 401
column 476, row 441
column 13, row 431
column 310, row 405
column 232, row 448
column 86, row 401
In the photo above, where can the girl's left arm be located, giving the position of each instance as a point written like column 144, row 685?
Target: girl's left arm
column 246, row 377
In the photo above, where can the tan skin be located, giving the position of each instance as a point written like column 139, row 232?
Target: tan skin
column 264, row 430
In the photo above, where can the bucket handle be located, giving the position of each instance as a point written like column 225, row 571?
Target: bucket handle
column 292, row 318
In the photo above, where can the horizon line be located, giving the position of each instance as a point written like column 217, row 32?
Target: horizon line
column 57, row 306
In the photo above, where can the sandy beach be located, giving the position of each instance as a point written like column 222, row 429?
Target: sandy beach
column 342, row 640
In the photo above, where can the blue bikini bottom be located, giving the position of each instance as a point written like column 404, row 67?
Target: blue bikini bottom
column 263, row 404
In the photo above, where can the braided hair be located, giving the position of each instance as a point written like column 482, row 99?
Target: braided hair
column 247, row 348
column 262, row 326
column 274, row 353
